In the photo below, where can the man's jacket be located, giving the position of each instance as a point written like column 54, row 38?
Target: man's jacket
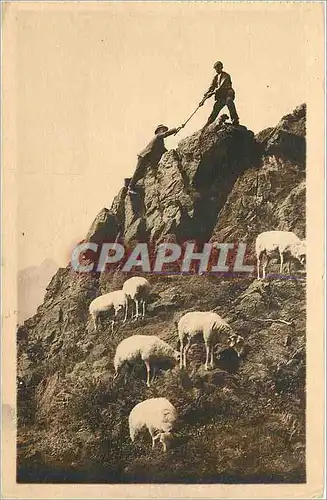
column 156, row 148
column 222, row 81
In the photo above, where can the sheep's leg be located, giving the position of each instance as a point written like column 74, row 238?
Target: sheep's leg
column 137, row 309
column 281, row 262
column 264, row 266
column 117, row 310
column 126, row 311
column 258, row 268
column 289, row 267
column 211, row 356
column 154, row 435
column 147, row 364
column 94, row 317
column 163, row 441
column 184, row 357
column 186, row 349
column 132, row 434
column 207, row 356
column 144, row 308
column 181, row 350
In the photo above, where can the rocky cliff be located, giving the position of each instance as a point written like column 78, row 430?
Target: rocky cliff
column 225, row 170
column 243, row 421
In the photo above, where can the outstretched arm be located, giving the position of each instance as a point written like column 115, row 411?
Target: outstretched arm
column 210, row 90
column 169, row 132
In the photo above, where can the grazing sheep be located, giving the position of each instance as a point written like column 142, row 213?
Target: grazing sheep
column 209, row 325
column 138, row 290
column 148, row 348
column 111, row 302
column 158, row 415
column 283, row 243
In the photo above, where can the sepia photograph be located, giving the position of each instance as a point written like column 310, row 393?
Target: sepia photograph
column 163, row 249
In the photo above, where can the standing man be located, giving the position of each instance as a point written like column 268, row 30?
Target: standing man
column 221, row 87
column 151, row 154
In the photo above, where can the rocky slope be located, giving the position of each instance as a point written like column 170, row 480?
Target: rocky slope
column 243, row 421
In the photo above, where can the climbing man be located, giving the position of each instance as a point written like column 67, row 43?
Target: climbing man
column 151, row 154
column 221, row 87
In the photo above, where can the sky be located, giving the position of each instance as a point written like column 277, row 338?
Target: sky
column 93, row 83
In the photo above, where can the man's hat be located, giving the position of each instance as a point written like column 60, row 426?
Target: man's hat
column 218, row 63
column 161, row 126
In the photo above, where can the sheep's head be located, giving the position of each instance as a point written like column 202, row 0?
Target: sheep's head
column 237, row 343
column 165, row 439
column 166, row 435
column 299, row 252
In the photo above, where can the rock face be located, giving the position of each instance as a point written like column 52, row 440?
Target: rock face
column 211, row 180
column 183, row 196
column 241, row 422
column 106, row 226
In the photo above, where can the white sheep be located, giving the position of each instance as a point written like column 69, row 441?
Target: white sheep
column 284, row 244
column 111, row 302
column 158, row 415
column 209, row 325
column 147, row 348
column 138, row 290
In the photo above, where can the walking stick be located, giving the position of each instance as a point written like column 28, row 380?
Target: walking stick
column 191, row 116
column 199, row 106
